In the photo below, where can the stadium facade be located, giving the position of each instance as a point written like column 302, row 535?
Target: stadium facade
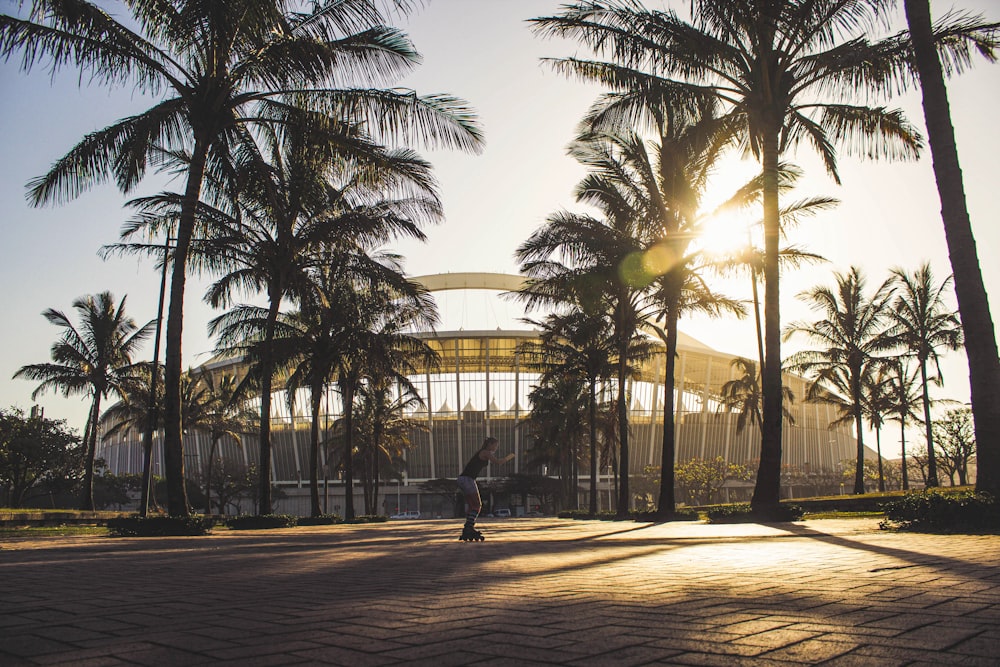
column 480, row 388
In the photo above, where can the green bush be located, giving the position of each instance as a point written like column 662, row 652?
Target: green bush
column 369, row 518
column 935, row 511
column 262, row 522
column 159, row 526
column 604, row 515
column 678, row 515
column 743, row 513
column 321, row 520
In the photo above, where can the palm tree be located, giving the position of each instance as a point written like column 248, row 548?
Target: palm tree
column 875, row 404
column 217, row 406
column 787, row 72
column 384, row 432
column 94, row 359
column 743, row 395
column 921, row 324
column 228, row 68
column 558, row 425
column 905, row 393
column 851, row 336
column 973, row 303
column 578, row 258
column 305, row 196
column 577, row 345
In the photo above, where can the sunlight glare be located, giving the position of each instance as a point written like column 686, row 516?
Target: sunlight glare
column 724, row 233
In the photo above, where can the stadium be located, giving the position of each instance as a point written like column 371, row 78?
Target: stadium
column 481, row 387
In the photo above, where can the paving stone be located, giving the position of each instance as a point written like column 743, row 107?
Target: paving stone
column 540, row 591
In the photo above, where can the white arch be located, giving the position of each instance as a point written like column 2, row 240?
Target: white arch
column 441, row 282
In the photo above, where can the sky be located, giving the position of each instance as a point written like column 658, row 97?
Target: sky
column 484, row 52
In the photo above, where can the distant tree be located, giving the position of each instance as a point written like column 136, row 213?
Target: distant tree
column 904, row 396
column 700, row 479
column 850, row 336
column 94, row 359
column 35, row 451
column 955, row 438
column 921, row 325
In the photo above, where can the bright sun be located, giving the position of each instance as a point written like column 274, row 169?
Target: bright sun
column 724, row 233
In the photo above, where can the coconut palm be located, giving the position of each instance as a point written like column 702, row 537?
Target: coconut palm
column 216, row 405
column 851, row 336
column 743, row 395
column 905, row 390
column 787, row 72
column 579, row 258
column 384, row 432
column 876, row 398
column 921, row 325
column 94, row 359
column 220, row 70
column 308, row 195
column 577, row 345
column 558, row 427
column 931, row 65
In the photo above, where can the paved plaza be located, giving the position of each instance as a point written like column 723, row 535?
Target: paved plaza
column 538, row 591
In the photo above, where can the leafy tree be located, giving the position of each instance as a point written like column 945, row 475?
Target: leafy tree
column 955, row 438
column 851, row 337
column 34, row 451
column 557, row 427
column 221, row 70
column 94, row 359
column 921, row 324
column 932, row 62
column 701, row 479
column 785, row 73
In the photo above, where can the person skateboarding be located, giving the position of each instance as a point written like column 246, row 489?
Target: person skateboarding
column 467, row 483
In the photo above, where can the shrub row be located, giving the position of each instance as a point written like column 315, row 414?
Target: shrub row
column 159, row 526
column 744, row 513
column 935, row 511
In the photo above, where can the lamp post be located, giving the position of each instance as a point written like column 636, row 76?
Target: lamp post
column 152, row 410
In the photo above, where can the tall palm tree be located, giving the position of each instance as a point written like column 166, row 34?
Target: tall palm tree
column 922, row 324
column 308, row 195
column 579, row 258
column 220, row 70
column 558, row 426
column 95, row 359
column 577, row 345
column 905, row 392
column 973, row 302
column 787, row 72
column 851, row 336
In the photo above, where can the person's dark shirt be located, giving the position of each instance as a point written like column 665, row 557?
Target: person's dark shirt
column 475, row 466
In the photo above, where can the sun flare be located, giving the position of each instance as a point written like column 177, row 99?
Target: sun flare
column 724, row 233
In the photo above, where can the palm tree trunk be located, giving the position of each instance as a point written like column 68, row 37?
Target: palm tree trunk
column 878, row 450
column 666, row 505
column 859, row 461
column 173, row 445
column 623, row 453
column 208, row 475
column 593, row 446
column 932, row 476
column 973, row 303
column 317, row 398
column 266, row 378
column 902, row 444
column 348, row 394
column 90, row 440
column 767, row 490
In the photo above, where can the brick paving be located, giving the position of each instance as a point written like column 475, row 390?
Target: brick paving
column 538, row 591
